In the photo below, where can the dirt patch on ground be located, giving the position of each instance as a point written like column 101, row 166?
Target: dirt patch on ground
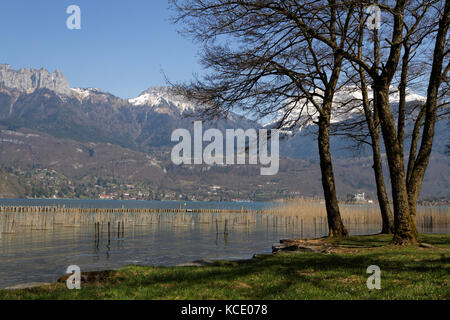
column 321, row 245
column 29, row 285
column 241, row 285
column 350, row 279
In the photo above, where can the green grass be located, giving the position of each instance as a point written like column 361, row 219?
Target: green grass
column 406, row 273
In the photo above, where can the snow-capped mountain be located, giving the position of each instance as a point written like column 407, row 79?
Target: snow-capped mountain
column 347, row 104
column 87, row 92
column 161, row 100
column 145, row 123
column 87, row 132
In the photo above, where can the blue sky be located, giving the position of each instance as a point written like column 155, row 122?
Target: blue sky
column 121, row 48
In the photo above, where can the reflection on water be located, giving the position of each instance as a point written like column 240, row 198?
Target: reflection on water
column 43, row 254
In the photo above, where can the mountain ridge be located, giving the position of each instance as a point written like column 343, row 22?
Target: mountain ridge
column 144, row 126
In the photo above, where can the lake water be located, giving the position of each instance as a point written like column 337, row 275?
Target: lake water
column 75, row 203
column 170, row 239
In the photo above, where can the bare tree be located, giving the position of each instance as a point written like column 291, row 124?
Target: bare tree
column 367, row 132
column 282, row 54
column 419, row 26
column 438, row 76
column 262, row 61
column 382, row 76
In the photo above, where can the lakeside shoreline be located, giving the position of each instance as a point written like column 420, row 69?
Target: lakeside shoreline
column 337, row 269
column 241, row 219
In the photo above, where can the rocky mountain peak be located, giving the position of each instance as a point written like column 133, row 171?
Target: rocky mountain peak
column 27, row 80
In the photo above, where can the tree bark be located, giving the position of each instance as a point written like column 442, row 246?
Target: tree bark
column 404, row 226
column 387, row 217
column 413, row 186
column 402, row 91
column 335, row 225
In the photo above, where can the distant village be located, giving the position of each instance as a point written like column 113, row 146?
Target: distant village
column 47, row 183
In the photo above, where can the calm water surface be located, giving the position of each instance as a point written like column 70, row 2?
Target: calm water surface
column 44, row 255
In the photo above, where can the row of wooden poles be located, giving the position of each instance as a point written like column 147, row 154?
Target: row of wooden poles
column 244, row 219
column 46, row 217
column 63, row 209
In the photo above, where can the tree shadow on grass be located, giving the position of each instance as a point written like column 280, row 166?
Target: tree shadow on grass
column 285, row 271
column 363, row 241
column 434, row 239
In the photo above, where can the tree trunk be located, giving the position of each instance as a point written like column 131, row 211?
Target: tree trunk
column 404, row 227
column 413, row 186
column 387, row 217
column 335, row 225
column 419, row 165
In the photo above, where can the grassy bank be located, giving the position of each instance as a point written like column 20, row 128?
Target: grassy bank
column 406, row 273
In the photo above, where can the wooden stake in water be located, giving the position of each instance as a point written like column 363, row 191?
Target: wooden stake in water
column 315, row 228
column 97, row 232
column 301, row 227
column 225, row 229
column 109, row 232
